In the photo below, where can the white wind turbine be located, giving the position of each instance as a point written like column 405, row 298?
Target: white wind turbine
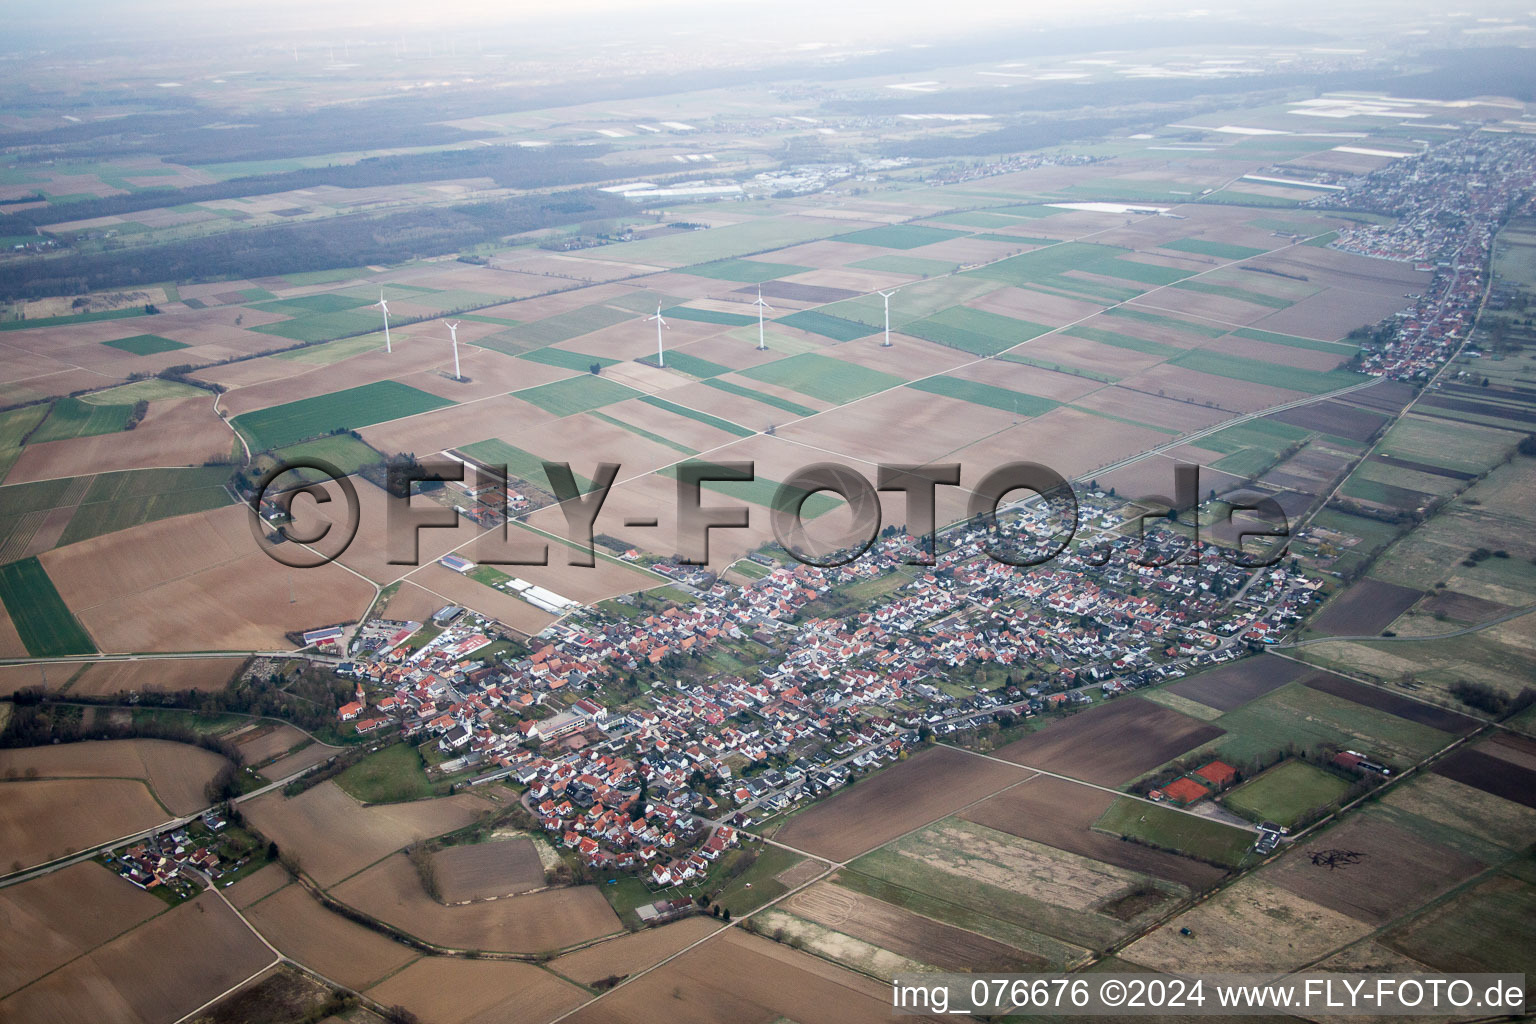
column 385, row 307
column 762, row 346
column 887, row 297
column 453, row 332
column 660, row 323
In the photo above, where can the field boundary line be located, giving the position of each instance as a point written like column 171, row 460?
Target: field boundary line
column 1095, row 785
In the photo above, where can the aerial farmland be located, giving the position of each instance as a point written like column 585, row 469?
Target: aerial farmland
column 653, row 517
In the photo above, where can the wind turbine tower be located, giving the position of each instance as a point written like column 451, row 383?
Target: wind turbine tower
column 385, row 307
column 453, row 332
column 660, row 323
column 762, row 345
column 887, row 297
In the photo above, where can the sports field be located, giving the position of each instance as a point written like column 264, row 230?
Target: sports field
column 1286, row 792
column 356, row 407
column 44, row 621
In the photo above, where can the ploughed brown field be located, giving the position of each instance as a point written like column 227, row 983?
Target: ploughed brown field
column 176, row 772
column 745, row 980
column 257, row 885
column 445, row 990
column 160, row 971
column 1366, row 608
column 1374, row 697
column 196, row 582
column 335, row 836
column 1504, row 766
column 1111, row 746
column 1396, row 870
column 108, row 678
column 48, row 921
column 502, row 867
column 326, row 942
column 1233, row 685
column 535, row 923
column 932, row 784
column 48, row 819
column 1061, row 814
column 903, row 932
column 627, row 954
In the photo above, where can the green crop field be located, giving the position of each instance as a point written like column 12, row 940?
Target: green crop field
column 308, row 304
column 833, row 327
column 1050, row 261
column 694, row 414
column 15, row 424
column 116, row 501
column 794, row 408
column 566, row 359
column 974, row 331
column 1286, row 792
column 83, row 318
column 1304, row 716
column 521, row 465
column 560, row 327
column 343, row 451
column 1103, row 337
column 1227, row 291
column 356, row 407
column 732, row 240
column 151, row 389
column 392, row 775
column 1344, row 349
column 46, row 625
column 321, row 326
column 693, row 366
column 1270, row 435
column 1174, row 323
column 913, row 301
column 1006, row 399
column 1169, row 829
column 71, row 417
column 1293, row 378
column 1142, row 273
column 900, row 236
column 823, row 377
column 1208, row 247
column 1081, row 288
column 666, row 442
column 145, row 344
column 708, row 316
column 916, row 265
column 761, row 491
column 977, row 219
column 1460, row 446
column 746, row 271
column 576, row 394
